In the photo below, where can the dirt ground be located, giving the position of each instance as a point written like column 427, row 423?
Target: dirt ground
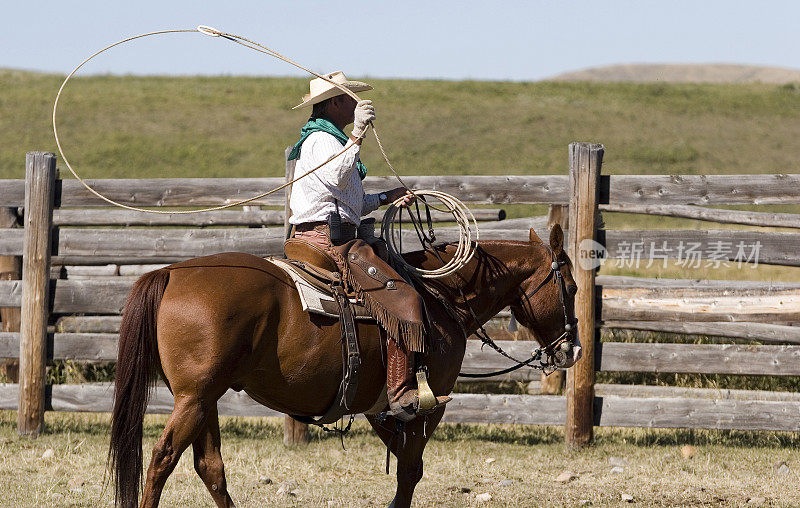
column 514, row 465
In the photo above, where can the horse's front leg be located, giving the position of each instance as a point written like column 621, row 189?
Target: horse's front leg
column 408, row 447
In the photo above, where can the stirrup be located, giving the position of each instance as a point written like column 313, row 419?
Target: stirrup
column 408, row 412
column 427, row 400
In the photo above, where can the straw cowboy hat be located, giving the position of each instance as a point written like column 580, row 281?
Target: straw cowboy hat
column 320, row 90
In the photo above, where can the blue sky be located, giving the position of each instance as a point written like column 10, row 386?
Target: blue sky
column 509, row 40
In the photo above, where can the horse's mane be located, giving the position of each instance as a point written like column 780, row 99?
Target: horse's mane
column 486, row 265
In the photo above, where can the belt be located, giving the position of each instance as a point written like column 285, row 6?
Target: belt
column 348, row 230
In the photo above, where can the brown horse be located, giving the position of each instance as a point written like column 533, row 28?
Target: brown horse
column 236, row 321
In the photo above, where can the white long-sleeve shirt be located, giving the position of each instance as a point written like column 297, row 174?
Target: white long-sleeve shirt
column 313, row 196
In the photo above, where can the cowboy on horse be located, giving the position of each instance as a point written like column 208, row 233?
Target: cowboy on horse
column 327, row 207
column 235, row 321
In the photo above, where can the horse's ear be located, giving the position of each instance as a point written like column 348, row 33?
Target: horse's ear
column 534, row 237
column 557, row 239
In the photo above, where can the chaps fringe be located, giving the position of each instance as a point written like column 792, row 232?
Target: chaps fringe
column 409, row 335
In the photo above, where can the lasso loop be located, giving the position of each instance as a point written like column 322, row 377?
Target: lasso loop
column 452, row 205
column 465, row 248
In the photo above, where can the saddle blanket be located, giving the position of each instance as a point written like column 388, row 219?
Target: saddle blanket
column 316, row 300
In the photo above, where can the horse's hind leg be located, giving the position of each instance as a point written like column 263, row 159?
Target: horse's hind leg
column 183, row 426
column 208, row 461
column 408, row 450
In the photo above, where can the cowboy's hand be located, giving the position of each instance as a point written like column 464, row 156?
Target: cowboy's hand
column 364, row 114
column 401, row 192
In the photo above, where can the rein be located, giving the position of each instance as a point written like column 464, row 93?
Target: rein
column 553, row 357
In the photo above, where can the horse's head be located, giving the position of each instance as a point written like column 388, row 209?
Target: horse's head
column 546, row 302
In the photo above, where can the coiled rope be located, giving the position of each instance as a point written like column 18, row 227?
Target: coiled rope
column 453, row 205
column 464, row 219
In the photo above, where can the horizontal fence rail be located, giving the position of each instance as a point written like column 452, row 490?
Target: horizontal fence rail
column 766, row 219
column 248, row 217
column 612, row 411
column 694, row 248
column 701, row 190
column 610, row 356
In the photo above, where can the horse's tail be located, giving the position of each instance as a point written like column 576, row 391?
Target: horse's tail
column 137, row 367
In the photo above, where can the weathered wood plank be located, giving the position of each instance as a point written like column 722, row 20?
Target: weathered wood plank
column 99, row 398
column 650, row 391
column 701, row 189
column 67, row 346
column 103, row 296
column 73, row 272
column 12, row 193
column 88, row 324
column 630, row 412
column 153, row 243
column 622, row 281
column 699, row 358
column 698, row 413
column 695, row 248
column 121, row 217
column 138, row 270
column 522, row 224
column 110, row 245
column 626, row 357
column 622, row 357
column 619, row 189
column 722, row 216
column 652, row 412
column 745, row 331
column 631, row 304
column 140, row 246
column 219, row 191
column 516, row 409
column 249, row 217
column 702, row 247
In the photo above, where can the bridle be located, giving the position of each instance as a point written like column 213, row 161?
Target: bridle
column 557, row 349
column 548, row 358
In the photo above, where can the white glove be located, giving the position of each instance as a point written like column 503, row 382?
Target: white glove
column 364, row 114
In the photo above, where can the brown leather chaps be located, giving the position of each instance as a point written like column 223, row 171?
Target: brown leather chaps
column 393, row 302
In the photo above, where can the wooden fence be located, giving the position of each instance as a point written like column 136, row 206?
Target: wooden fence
column 96, row 254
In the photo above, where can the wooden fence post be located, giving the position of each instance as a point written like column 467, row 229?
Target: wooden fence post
column 40, row 183
column 10, row 269
column 294, row 432
column 552, row 384
column 585, row 161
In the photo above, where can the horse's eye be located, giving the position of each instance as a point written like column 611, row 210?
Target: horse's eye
column 572, row 290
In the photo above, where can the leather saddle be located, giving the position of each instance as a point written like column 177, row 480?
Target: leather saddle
column 315, row 274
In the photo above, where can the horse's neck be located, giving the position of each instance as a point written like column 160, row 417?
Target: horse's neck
column 488, row 283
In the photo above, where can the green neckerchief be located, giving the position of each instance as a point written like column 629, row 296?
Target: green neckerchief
column 321, row 124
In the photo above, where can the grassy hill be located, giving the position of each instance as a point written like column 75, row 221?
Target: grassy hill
column 131, row 126
column 685, row 73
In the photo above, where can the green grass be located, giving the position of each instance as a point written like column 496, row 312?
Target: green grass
column 131, row 126
column 729, row 468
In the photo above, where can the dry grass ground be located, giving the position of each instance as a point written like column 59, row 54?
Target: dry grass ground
column 515, row 465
